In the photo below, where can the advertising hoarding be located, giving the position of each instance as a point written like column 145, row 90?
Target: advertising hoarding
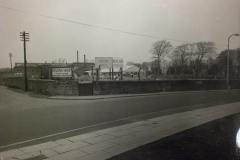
column 61, row 72
column 103, row 62
column 117, row 62
column 108, row 62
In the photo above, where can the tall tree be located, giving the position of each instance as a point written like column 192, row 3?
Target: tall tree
column 234, row 65
column 201, row 51
column 160, row 48
column 180, row 57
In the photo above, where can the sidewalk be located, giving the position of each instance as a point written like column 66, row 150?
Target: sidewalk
column 103, row 144
column 95, row 97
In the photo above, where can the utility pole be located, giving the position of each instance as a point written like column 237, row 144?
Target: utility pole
column 158, row 68
column 10, row 58
column 112, row 70
column 92, row 74
column 84, row 59
column 24, row 36
column 121, row 73
column 110, row 73
column 77, row 58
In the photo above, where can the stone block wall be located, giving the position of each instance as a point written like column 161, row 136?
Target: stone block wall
column 121, row 87
column 72, row 88
column 45, row 87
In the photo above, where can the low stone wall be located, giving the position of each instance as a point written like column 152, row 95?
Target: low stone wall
column 45, row 87
column 16, row 82
column 121, row 87
column 67, row 88
column 72, row 88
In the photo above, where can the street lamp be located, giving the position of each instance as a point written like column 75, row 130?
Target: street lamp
column 228, row 54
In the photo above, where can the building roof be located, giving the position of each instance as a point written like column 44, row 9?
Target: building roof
column 5, row 70
column 132, row 69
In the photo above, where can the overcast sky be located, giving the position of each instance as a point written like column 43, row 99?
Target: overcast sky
column 176, row 20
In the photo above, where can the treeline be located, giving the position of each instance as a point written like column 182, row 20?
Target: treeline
column 200, row 60
column 190, row 60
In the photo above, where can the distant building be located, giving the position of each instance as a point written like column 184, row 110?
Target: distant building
column 33, row 70
column 109, row 65
column 5, row 73
column 45, row 70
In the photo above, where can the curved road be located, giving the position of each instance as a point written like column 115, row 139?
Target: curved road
column 24, row 117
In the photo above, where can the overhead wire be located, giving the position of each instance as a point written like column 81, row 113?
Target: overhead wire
column 91, row 25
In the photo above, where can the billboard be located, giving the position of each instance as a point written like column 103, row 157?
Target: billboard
column 61, row 72
column 108, row 62
column 117, row 63
column 103, row 62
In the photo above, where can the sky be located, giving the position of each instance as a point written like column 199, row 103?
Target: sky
column 111, row 28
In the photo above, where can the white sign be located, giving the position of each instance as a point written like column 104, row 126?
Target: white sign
column 103, row 62
column 61, row 72
column 108, row 62
column 117, row 63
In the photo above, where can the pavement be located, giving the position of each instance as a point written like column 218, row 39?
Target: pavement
column 106, row 143
column 216, row 140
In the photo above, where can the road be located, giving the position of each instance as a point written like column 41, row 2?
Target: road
column 24, row 117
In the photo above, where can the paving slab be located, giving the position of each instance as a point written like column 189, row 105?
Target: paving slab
column 82, row 136
column 71, row 155
column 98, row 139
column 63, row 142
column 97, row 147
column 39, row 147
column 69, row 147
column 11, row 153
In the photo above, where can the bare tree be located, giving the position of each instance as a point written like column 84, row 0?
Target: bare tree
column 181, row 56
column 201, row 51
column 160, row 48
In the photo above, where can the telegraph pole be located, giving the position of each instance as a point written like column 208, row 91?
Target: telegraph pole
column 77, row 58
column 10, row 58
column 121, row 73
column 84, row 59
column 24, row 36
column 112, row 70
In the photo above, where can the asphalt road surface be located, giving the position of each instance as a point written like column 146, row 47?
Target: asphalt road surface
column 24, row 117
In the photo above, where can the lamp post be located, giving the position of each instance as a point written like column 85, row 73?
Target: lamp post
column 228, row 58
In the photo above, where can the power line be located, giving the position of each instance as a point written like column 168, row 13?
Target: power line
column 92, row 25
column 96, row 26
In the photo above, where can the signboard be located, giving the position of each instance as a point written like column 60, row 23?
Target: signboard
column 63, row 72
column 108, row 62
column 117, row 63
column 103, row 62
